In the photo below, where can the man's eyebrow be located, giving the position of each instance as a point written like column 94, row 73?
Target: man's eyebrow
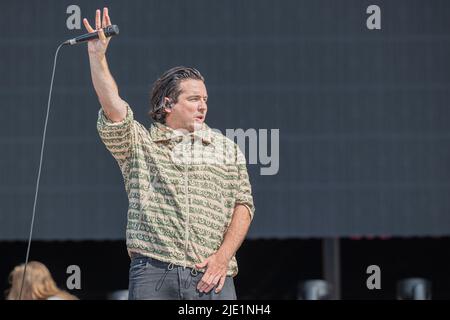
column 196, row 95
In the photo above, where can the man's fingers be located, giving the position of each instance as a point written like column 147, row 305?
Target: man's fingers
column 208, row 288
column 97, row 20
column 87, row 26
column 106, row 21
column 205, row 281
column 217, row 279
column 204, row 263
column 101, row 34
column 202, row 285
column 201, row 282
column 221, row 283
column 209, row 282
column 213, row 283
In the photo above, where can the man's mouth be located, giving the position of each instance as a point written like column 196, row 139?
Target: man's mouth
column 199, row 118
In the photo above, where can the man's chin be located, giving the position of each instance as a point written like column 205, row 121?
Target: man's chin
column 197, row 125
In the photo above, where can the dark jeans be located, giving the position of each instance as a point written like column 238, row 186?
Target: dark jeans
column 151, row 279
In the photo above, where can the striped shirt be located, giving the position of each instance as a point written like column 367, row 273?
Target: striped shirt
column 182, row 188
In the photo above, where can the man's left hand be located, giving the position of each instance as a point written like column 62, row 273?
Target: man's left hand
column 216, row 272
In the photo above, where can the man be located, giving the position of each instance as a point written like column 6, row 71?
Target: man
column 190, row 201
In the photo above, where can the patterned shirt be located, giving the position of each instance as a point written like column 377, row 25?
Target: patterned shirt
column 182, row 188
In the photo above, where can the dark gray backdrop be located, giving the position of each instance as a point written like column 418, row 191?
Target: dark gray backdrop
column 363, row 115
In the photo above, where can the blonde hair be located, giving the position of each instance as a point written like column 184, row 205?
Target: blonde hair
column 38, row 284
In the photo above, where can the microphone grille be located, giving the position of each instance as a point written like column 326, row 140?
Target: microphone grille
column 111, row 30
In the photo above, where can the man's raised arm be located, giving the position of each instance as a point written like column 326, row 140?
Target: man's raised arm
column 105, row 86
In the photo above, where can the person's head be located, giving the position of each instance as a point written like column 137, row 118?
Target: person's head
column 38, row 284
column 178, row 99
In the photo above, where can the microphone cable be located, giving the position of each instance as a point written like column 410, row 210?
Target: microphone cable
column 110, row 30
column 39, row 171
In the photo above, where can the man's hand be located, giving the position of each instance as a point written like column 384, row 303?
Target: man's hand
column 216, row 272
column 217, row 264
column 98, row 47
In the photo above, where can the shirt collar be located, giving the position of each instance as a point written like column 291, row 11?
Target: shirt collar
column 160, row 132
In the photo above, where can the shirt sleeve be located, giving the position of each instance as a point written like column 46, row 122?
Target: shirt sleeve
column 244, row 192
column 118, row 137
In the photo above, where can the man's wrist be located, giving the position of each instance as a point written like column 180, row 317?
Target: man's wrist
column 224, row 254
column 98, row 58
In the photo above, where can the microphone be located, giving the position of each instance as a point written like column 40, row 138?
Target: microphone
column 109, row 31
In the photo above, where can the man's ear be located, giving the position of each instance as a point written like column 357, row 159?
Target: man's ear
column 168, row 105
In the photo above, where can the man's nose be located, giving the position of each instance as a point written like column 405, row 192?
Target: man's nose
column 202, row 106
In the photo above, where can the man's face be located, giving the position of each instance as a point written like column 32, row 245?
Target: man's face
column 189, row 112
